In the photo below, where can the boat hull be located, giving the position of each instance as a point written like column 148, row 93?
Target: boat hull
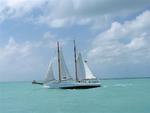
column 81, row 87
column 71, row 85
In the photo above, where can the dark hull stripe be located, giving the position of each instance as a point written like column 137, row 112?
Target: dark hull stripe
column 80, row 87
column 37, row 83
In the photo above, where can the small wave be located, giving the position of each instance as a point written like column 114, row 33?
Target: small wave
column 105, row 86
column 122, row 85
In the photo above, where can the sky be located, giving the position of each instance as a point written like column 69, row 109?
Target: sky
column 112, row 35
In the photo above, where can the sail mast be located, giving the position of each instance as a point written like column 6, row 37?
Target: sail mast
column 59, row 67
column 75, row 60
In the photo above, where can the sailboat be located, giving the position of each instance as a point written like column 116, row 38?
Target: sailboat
column 84, row 78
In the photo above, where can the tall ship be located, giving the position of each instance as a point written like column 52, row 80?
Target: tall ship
column 84, row 77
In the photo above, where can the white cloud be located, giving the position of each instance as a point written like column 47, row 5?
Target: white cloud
column 16, row 60
column 49, row 41
column 87, row 8
column 17, row 8
column 27, row 60
column 137, row 43
column 56, row 13
column 67, row 12
column 54, row 23
column 123, row 43
column 14, row 49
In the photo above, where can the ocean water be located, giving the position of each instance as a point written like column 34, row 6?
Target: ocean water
column 115, row 96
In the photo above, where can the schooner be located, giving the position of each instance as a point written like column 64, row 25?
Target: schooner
column 84, row 78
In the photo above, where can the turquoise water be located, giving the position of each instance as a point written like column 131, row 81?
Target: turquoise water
column 115, row 96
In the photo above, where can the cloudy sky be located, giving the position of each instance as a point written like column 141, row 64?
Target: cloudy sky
column 113, row 35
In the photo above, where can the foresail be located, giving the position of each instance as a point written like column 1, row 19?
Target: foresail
column 50, row 75
column 89, row 74
column 64, row 70
column 83, row 70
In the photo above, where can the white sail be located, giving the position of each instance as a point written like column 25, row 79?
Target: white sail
column 50, row 75
column 89, row 74
column 83, row 70
column 65, row 75
column 80, row 68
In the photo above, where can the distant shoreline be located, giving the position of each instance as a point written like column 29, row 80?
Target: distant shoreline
column 125, row 78
column 99, row 79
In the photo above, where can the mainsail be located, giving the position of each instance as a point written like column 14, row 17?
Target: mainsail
column 83, row 70
column 65, row 75
column 80, row 68
column 50, row 75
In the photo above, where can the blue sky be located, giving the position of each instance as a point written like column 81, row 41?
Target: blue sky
column 112, row 35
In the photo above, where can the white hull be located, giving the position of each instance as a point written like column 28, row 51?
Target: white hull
column 70, row 85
